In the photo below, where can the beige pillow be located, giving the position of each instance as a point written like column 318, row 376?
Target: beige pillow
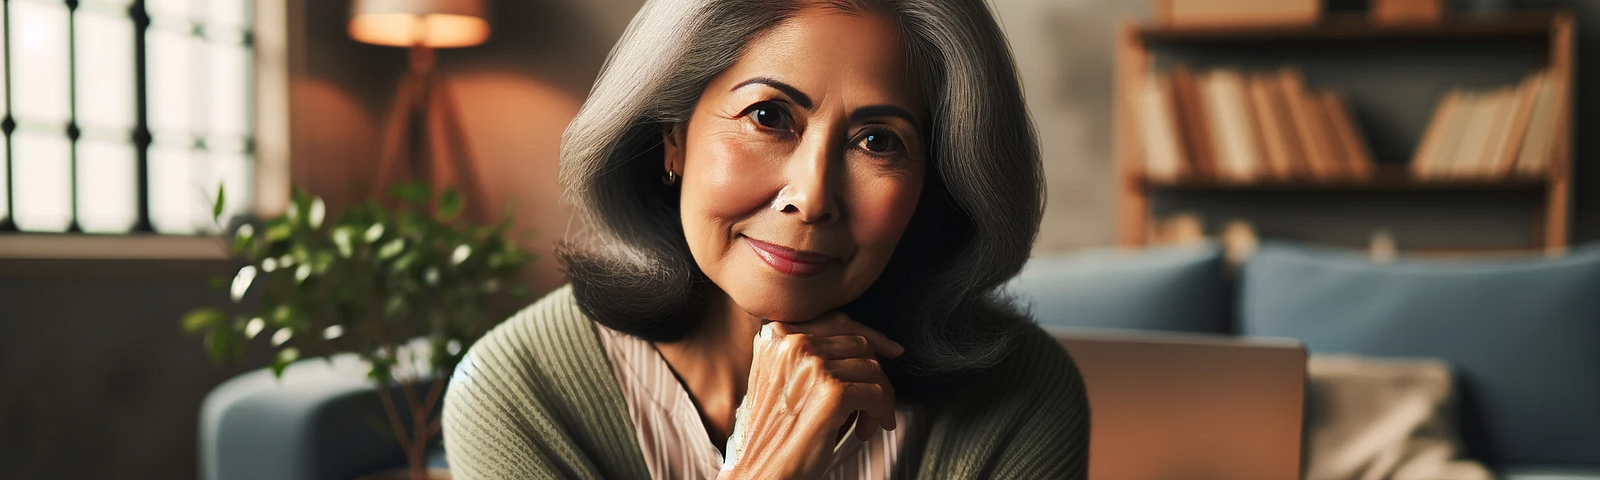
column 1371, row 419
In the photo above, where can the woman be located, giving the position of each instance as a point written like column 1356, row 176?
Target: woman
column 799, row 213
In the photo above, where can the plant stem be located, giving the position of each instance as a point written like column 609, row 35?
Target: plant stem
column 394, row 415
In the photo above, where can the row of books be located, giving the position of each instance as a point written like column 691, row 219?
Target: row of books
column 1228, row 126
column 1510, row 131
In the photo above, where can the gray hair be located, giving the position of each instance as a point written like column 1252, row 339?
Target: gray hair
column 973, row 228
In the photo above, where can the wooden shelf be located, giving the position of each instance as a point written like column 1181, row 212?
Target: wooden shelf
column 49, row 246
column 1553, row 31
column 1531, row 26
column 1387, row 178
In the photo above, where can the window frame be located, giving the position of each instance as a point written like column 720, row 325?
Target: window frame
column 270, row 41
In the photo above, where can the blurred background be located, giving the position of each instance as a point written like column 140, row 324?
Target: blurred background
column 123, row 116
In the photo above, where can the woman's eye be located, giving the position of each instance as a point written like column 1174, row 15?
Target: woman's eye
column 770, row 115
column 880, row 143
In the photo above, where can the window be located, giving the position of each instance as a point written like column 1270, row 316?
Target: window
column 124, row 115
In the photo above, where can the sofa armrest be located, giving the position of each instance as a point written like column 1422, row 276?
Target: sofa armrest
column 316, row 423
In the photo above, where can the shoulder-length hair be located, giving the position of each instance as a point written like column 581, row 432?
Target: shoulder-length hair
column 974, row 224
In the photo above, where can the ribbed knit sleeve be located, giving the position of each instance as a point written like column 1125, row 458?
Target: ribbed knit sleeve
column 1027, row 418
column 535, row 398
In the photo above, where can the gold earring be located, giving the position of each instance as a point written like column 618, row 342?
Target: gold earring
column 671, row 178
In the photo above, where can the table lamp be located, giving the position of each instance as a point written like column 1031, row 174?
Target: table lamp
column 440, row 157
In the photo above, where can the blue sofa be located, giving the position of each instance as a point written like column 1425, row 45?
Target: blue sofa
column 1522, row 335
column 319, row 422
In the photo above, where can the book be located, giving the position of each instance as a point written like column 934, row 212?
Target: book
column 1503, row 107
column 1230, row 125
column 1474, row 135
column 1330, row 133
column 1192, row 123
column 1455, row 129
column 1163, row 148
column 1278, row 146
column 1223, row 13
column 1423, row 12
column 1309, row 123
column 1357, row 158
column 1539, row 142
column 1426, row 157
column 1299, row 161
column 1510, row 144
column 1488, row 134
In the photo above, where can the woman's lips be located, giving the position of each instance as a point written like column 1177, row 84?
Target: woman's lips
column 790, row 261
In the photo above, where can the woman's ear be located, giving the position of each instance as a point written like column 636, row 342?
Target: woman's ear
column 672, row 146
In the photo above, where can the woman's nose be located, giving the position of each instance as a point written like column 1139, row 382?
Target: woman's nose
column 810, row 191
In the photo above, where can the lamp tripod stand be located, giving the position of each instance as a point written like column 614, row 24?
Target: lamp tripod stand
column 423, row 140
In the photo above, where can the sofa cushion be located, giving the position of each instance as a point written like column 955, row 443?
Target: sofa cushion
column 1538, row 473
column 1180, row 288
column 1523, row 334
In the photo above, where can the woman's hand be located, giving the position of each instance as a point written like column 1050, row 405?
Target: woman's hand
column 806, row 379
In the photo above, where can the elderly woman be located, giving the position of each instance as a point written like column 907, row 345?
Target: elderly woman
column 798, row 216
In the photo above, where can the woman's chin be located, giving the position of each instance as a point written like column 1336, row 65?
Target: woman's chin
column 780, row 307
column 780, row 313
column 787, row 299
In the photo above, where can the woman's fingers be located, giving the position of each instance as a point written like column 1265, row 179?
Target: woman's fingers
column 874, row 388
column 872, row 399
column 841, row 346
column 865, row 426
column 836, row 324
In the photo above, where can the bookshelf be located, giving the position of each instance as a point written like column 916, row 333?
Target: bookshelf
column 1387, row 178
column 1138, row 46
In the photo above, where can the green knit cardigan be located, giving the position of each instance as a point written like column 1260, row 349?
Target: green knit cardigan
column 536, row 398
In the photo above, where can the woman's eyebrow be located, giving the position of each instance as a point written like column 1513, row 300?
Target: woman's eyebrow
column 794, row 93
column 880, row 111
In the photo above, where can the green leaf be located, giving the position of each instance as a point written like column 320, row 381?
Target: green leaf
column 316, row 212
column 322, row 260
column 224, row 344
column 449, row 204
column 242, row 238
column 241, row 282
column 389, row 250
column 417, row 193
column 282, row 315
column 202, row 318
column 299, row 209
column 395, row 306
column 279, row 229
column 253, row 327
column 341, row 241
column 222, row 198
column 400, row 266
column 283, row 359
column 382, row 370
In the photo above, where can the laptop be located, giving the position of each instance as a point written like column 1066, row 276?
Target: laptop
column 1169, row 406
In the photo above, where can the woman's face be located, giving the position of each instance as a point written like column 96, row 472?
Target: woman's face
column 802, row 164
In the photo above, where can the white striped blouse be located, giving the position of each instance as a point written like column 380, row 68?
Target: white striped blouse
column 673, row 438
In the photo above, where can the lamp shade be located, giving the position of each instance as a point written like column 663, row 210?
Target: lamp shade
column 427, row 23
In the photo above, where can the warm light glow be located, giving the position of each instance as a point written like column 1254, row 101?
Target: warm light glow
column 430, row 30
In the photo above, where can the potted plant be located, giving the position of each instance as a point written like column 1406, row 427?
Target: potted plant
column 378, row 278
